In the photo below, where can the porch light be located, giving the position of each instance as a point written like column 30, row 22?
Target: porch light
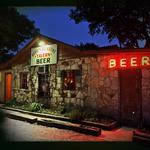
column 41, row 43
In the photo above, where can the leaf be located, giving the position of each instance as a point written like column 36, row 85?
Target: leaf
column 128, row 21
column 14, row 29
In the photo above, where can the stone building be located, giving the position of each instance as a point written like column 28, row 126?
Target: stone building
column 115, row 82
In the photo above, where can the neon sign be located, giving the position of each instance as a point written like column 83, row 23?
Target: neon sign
column 128, row 60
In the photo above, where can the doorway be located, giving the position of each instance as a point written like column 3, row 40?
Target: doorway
column 8, row 86
column 43, row 91
column 130, row 97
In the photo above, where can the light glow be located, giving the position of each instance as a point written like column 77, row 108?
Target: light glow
column 42, row 43
column 127, row 60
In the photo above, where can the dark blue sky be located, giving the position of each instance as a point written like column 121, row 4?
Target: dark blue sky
column 55, row 22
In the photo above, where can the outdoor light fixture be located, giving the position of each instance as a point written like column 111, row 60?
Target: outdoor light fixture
column 42, row 43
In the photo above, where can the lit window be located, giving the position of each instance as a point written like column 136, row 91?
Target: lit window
column 69, row 80
column 23, row 80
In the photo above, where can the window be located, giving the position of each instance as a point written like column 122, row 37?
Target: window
column 69, row 80
column 43, row 85
column 23, row 80
column 43, row 69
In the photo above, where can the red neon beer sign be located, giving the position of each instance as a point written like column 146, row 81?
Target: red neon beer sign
column 128, row 60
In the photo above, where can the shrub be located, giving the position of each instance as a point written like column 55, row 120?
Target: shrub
column 61, row 109
column 45, row 103
column 35, row 106
column 90, row 114
column 67, row 108
column 11, row 102
column 82, row 113
column 14, row 103
column 76, row 115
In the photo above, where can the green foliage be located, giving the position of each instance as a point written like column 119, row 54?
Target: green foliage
column 45, row 103
column 76, row 114
column 15, row 29
column 128, row 21
column 12, row 102
column 35, row 107
column 67, row 108
column 61, row 109
column 90, row 115
column 5, row 57
column 87, row 46
column 15, row 103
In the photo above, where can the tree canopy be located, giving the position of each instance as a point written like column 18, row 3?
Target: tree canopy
column 87, row 46
column 15, row 29
column 126, row 20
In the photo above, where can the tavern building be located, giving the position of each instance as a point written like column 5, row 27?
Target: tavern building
column 114, row 81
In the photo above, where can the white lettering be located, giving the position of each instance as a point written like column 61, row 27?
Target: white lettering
column 129, row 61
column 123, row 62
column 134, row 61
column 112, row 63
column 145, row 60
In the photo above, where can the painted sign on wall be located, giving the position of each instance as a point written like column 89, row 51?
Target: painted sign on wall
column 128, row 60
column 44, row 55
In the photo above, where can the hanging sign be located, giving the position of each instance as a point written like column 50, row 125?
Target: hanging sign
column 128, row 60
column 44, row 55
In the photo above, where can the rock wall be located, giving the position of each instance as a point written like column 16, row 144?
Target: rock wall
column 104, row 88
column 18, row 93
column 96, row 86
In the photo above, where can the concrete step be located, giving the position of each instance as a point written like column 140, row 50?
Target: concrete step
column 22, row 118
column 141, row 137
column 70, row 126
column 53, row 123
column 109, row 126
column 142, row 134
column 141, row 140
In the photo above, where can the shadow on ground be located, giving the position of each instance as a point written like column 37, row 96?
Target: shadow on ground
column 2, row 134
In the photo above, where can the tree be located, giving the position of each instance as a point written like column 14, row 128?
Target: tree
column 87, row 46
column 126, row 20
column 5, row 57
column 15, row 29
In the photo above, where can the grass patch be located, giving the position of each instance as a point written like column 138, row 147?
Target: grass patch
column 76, row 113
column 35, row 107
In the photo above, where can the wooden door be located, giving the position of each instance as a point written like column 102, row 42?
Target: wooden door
column 8, row 86
column 130, row 97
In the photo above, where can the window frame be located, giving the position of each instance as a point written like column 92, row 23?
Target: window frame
column 23, row 80
column 68, row 76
